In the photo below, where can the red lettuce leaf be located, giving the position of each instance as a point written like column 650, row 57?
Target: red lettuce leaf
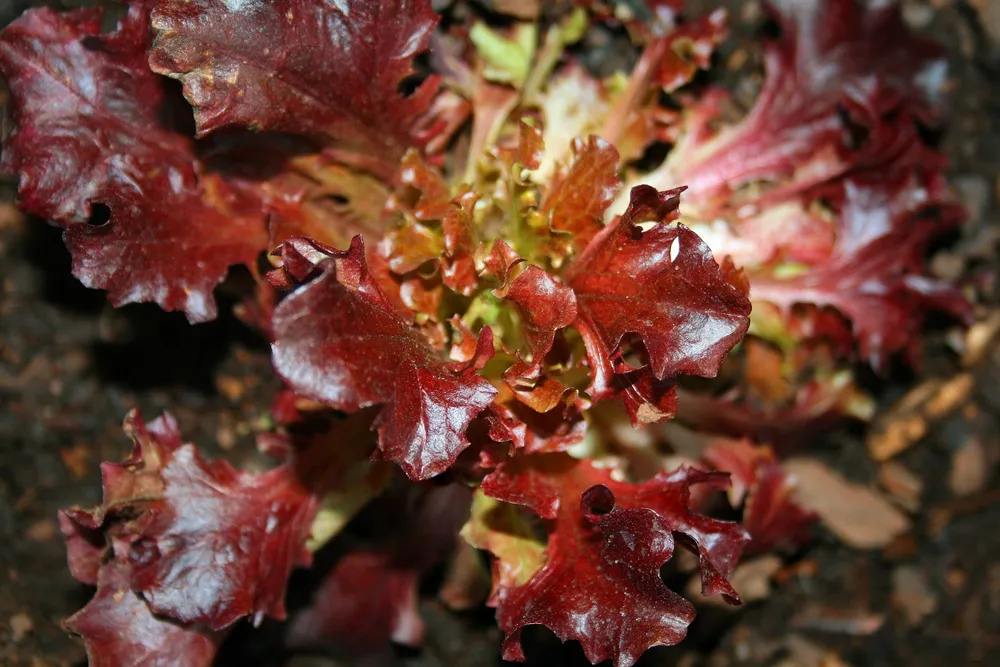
column 847, row 84
column 85, row 544
column 661, row 284
column 119, row 629
column 794, row 231
column 771, row 513
column 204, row 544
column 432, row 192
column 670, row 60
column 88, row 136
column 435, row 129
column 411, row 245
column 413, row 294
column 607, row 542
column 511, row 420
column 366, row 601
column 491, row 106
column 224, row 543
column 875, row 276
column 330, row 70
column 646, row 399
column 340, row 341
column 820, row 405
column 578, row 197
column 545, row 307
column 129, row 487
column 314, row 196
column 370, row 596
column 461, row 238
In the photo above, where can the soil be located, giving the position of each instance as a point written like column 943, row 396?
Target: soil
column 71, row 367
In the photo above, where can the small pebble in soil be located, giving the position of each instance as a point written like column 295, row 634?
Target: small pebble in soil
column 20, row 625
column 41, row 531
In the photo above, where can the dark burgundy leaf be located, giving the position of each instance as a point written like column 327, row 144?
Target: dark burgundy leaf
column 85, row 543
column 875, row 276
column 225, row 542
column 88, row 138
column 178, row 259
column 370, row 596
column 204, row 544
column 365, row 602
column 601, row 581
column 340, row 341
column 840, row 68
column 326, row 69
column 771, row 513
column 661, row 284
column 510, row 420
column 119, row 629
column 818, row 406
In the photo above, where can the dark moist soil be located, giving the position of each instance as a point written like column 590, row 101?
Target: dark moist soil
column 71, row 367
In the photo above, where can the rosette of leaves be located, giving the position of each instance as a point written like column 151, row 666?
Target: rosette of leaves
column 459, row 279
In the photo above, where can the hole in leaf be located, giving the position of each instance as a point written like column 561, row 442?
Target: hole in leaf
column 597, row 501
column 409, row 85
column 855, row 134
column 421, row 70
column 337, row 201
column 932, row 135
column 100, row 215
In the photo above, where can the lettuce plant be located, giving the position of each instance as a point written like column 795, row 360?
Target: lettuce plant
column 475, row 272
